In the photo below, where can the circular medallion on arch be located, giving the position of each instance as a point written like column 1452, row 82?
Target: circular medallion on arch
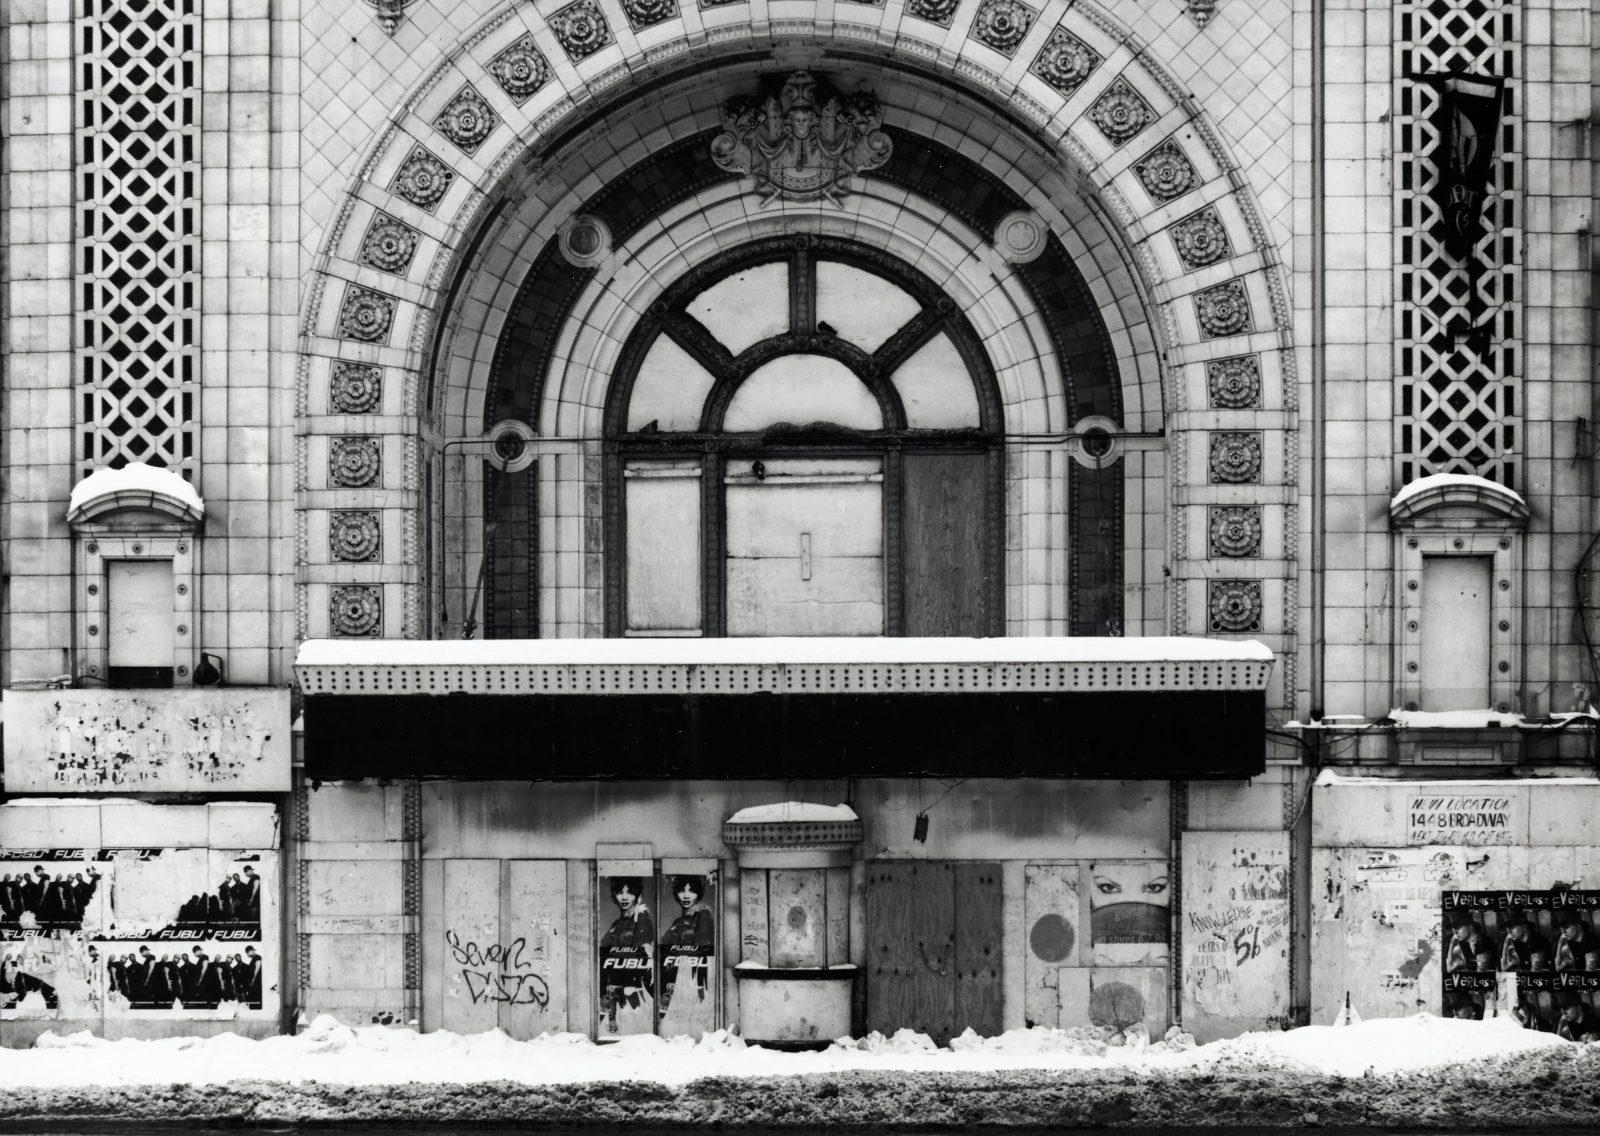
column 585, row 240
column 1021, row 236
column 511, row 446
column 1095, row 441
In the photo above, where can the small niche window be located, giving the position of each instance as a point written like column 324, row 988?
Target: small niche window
column 1457, row 593
column 1458, row 562
column 141, row 639
column 135, row 529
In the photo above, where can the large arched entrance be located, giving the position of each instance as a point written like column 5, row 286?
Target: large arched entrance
column 1151, row 308
column 619, row 336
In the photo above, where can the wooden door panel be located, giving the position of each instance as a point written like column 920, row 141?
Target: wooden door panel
column 978, row 983
column 946, row 579
column 663, row 540
column 890, row 912
column 911, row 948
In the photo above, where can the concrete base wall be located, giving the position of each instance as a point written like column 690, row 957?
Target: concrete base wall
column 1385, row 850
column 477, row 905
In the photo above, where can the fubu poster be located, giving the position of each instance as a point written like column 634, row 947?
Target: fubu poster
column 91, row 933
column 655, row 959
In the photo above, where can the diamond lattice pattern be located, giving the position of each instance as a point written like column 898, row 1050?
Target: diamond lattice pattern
column 138, row 213
column 1458, row 325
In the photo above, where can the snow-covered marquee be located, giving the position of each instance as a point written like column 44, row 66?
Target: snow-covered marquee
column 773, row 707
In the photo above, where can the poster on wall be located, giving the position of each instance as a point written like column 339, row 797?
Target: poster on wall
column 1051, row 913
column 687, row 955
column 1537, row 950
column 134, row 932
column 1130, row 911
column 625, row 956
column 1236, row 925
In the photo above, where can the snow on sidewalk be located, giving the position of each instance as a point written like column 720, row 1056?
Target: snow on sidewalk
column 330, row 1053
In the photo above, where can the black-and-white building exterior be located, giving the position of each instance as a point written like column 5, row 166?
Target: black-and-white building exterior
column 638, row 516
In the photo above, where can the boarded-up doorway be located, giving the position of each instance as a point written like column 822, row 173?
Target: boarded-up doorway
column 805, row 547
column 933, row 948
column 494, row 951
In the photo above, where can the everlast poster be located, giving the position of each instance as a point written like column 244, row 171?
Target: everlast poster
column 1468, row 121
column 1537, row 950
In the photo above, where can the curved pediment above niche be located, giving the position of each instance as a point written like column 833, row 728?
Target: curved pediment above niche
column 1457, row 500
column 136, row 496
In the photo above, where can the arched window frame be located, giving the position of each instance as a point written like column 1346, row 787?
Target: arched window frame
column 714, row 448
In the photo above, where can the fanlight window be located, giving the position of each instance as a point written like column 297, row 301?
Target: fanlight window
column 784, row 422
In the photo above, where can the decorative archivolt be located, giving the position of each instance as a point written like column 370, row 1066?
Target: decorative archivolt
column 1156, row 171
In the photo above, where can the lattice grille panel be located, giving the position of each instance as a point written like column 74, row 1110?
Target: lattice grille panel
column 138, row 231
column 1458, row 325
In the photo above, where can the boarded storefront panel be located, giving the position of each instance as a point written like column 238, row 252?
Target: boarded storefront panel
column 1050, row 900
column 138, row 934
column 526, row 980
column 978, row 954
column 911, row 948
column 1375, row 923
column 1236, row 932
column 500, row 955
column 471, row 925
column 933, row 948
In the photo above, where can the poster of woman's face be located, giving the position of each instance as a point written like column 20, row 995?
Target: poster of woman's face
column 687, row 957
column 1130, row 911
column 626, row 957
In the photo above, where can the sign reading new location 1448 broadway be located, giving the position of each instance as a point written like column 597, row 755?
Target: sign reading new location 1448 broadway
column 1465, row 818
column 152, row 741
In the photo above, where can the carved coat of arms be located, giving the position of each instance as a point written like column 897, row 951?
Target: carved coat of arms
column 802, row 143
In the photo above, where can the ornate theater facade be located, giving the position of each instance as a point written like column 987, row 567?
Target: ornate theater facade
column 812, row 516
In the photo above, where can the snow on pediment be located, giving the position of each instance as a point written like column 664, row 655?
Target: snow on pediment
column 133, row 488
column 1460, row 496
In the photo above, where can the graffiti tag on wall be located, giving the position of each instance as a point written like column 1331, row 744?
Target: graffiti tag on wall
column 501, row 972
column 1236, row 924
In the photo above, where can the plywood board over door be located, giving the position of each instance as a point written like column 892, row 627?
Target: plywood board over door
column 501, row 958
column 805, row 547
column 947, row 585
column 933, row 947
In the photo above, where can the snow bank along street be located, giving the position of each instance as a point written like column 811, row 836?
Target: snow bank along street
column 1422, row 1071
